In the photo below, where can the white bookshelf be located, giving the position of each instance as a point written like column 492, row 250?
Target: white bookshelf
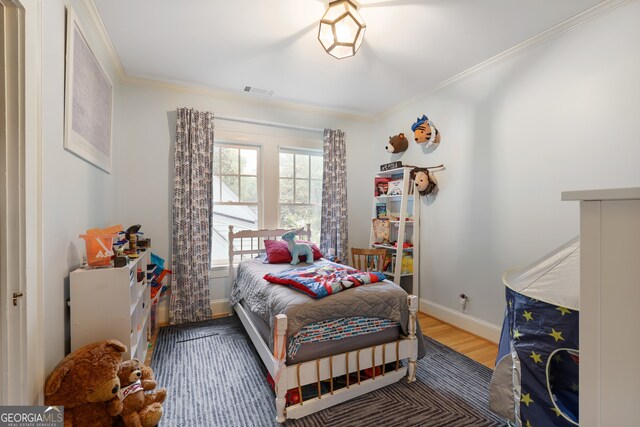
column 403, row 230
column 110, row 303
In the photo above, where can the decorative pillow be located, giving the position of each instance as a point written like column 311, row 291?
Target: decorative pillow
column 278, row 251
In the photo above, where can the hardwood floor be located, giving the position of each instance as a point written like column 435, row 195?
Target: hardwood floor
column 476, row 348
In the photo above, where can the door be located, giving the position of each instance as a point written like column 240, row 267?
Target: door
column 12, row 206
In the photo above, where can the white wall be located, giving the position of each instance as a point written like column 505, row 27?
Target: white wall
column 146, row 121
column 75, row 194
column 562, row 116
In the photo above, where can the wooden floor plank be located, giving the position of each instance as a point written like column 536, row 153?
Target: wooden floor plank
column 474, row 347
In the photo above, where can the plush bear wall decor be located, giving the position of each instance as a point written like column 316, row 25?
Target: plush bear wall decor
column 86, row 383
column 296, row 248
column 424, row 181
column 397, row 144
column 139, row 409
column 425, row 131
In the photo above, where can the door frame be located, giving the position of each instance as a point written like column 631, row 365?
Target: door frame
column 24, row 190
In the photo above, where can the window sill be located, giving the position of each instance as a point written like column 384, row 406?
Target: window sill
column 219, row 271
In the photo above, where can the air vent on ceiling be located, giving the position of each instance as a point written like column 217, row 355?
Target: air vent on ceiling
column 258, row 91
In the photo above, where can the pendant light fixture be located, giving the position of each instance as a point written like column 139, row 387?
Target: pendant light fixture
column 341, row 29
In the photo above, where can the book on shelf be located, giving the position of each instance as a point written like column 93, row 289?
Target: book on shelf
column 381, row 187
column 395, row 187
column 381, row 211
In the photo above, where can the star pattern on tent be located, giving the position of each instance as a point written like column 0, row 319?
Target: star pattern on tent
column 557, row 358
column 575, row 387
column 557, row 335
column 557, row 411
column 526, row 399
column 528, row 424
column 527, row 315
column 516, row 334
column 563, row 310
column 536, row 357
column 510, row 303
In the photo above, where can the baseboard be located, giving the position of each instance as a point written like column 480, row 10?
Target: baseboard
column 219, row 308
column 468, row 323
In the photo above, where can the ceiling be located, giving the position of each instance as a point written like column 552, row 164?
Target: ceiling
column 410, row 46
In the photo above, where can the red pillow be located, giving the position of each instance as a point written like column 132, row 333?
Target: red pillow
column 278, row 251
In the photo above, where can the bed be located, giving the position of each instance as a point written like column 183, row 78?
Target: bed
column 273, row 313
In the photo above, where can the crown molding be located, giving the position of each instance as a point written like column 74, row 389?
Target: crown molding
column 234, row 96
column 553, row 32
column 91, row 12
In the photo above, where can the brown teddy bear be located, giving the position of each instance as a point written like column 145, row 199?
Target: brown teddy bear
column 397, row 144
column 139, row 409
column 86, row 383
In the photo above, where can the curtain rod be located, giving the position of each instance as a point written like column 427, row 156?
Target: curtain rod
column 267, row 123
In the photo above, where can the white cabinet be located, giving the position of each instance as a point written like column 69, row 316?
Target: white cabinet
column 609, row 312
column 403, row 211
column 113, row 303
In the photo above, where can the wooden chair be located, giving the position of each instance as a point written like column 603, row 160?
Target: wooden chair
column 368, row 259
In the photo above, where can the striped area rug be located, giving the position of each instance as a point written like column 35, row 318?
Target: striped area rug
column 214, row 377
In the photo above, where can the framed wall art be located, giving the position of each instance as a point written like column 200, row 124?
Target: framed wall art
column 88, row 100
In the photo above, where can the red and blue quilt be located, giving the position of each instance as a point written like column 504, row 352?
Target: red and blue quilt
column 323, row 278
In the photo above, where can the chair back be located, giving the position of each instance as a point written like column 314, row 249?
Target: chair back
column 368, row 259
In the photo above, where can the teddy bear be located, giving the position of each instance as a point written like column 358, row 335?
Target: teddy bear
column 86, row 383
column 397, row 144
column 425, row 181
column 139, row 409
column 425, row 131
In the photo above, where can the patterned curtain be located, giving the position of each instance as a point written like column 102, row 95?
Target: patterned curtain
column 333, row 229
column 192, row 217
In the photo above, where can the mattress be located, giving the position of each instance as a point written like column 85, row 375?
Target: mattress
column 315, row 350
column 264, row 300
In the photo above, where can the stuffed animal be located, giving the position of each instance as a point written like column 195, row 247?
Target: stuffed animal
column 425, row 181
column 139, row 409
column 147, row 378
column 397, row 144
column 86, row 383
column 425, row 131
column 297, row 249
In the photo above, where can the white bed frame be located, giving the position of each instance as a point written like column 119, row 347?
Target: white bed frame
column 326, row 368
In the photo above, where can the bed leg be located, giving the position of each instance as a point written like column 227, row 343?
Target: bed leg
column 280, row 355
column 412, row 301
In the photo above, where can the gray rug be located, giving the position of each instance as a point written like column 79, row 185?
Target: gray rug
column 214, row 377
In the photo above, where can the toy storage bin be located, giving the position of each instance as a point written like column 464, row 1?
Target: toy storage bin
column 99, row 248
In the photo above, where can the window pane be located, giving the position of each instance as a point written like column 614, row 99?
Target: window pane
column 229, row 189
column 316, row 191
column 248, row 162
column 316, row 167
column 242, row 217
column 286, row 191
column 216, row 160
column 216, row 188
column 286, row 165
column 302, row 166
column 302, row 191
column 292, row 216
column 248, row 189
column 228, row 160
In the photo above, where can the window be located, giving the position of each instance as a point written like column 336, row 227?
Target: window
column 236, row 194
column 300, row 196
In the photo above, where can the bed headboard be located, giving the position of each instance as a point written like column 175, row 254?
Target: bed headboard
column 250, row 243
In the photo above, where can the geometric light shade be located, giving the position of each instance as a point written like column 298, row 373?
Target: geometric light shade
column 341, row 29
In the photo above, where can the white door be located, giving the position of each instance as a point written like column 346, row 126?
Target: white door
column 12, row 207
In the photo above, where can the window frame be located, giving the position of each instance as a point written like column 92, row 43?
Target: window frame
column 224, row 262
column 302, row 151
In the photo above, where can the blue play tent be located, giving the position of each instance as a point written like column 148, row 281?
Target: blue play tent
column 535, row 382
